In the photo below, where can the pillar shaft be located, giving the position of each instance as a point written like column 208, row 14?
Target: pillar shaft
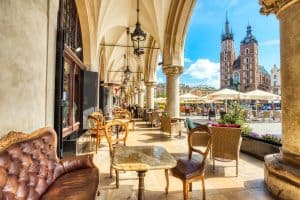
column 110, row 98
column 290, row 62
column 136, row 97
column 150, row 95
column 141, row 98
column 173, row 103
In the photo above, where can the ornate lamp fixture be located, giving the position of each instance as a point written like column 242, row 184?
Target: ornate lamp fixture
column 138, row 36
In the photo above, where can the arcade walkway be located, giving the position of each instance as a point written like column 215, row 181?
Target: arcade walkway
column 221, row 185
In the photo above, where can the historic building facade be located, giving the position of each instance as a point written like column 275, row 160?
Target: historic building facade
column 275, row 80
column 242, row 72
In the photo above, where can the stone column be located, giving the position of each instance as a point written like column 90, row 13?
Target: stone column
column 132, row 98
column 282, row 170
column 141, row 97
column 173, row 74
column 110, row 98
column 136, row 97
column 150, row 95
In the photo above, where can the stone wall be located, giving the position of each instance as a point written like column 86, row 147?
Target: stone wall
column 27, row 60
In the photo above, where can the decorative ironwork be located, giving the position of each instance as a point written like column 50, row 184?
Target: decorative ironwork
column 138, row 36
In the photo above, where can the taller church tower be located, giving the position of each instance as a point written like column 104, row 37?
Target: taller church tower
column 226, row 56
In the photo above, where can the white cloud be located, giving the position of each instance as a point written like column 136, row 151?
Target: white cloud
column 206, row 71
column 187, row 60
column 270, row 43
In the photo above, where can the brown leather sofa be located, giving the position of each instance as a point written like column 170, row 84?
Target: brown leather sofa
column 30, row 169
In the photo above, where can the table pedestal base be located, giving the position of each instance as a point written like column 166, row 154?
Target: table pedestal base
column 141, row 175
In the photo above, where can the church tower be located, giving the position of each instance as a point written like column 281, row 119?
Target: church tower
column 249, row 71
column 226, row 56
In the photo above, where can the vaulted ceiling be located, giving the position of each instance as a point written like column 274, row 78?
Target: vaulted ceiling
column 104, row 22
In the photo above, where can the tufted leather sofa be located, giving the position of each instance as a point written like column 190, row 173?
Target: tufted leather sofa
column 30, row 169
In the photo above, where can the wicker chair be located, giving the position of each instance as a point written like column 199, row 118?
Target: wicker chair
column 277, row 115
column 266, row 115
column 226, row 143
column 166, row 125
column 192, row 168
column 116, row 133
column 96, row 128
column 154, row 118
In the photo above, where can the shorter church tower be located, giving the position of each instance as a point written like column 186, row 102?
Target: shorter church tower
column 226, row 56
column 249, row 72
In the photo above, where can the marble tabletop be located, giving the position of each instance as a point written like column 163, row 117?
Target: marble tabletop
column 142, row 158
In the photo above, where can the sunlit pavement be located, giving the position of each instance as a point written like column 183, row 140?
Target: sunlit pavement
column 221, row 184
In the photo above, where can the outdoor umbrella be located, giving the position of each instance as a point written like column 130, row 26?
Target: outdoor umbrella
column 188, row 97
column 261, row 95
column 225, row 94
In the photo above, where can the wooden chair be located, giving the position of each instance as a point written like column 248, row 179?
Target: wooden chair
column 192, row 168
column 125, row 114
column 116, row 133
column 226, row 143
column 96, row 128
column 166, row 125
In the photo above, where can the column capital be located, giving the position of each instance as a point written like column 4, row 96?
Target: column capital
column 275, row 6
column 141, row 90
column 150, row 84
column 172, row 70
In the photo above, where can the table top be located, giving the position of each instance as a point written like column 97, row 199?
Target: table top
column 142, row 158
column 178, row 118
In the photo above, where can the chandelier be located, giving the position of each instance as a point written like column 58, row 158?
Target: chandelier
column 138, row 36
column 127, row 71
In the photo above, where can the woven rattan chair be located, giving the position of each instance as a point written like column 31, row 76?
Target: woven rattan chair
column 266, row 115
column 166, row 125
column 116, row 133
column 277, row 115
column 96, row 128
column 154, row 118
column 192, row 167
column 226, row 143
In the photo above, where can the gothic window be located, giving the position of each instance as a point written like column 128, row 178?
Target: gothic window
column 225, row 58
column 246, row 51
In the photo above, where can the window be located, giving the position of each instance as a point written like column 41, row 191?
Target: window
column 246, row 51
column 236, row 77
column 225, row 58
column 274, row 83
column 275, row 76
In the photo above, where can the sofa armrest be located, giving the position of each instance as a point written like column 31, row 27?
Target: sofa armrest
column 77, row 162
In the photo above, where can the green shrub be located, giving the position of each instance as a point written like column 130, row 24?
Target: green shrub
column 235, row 115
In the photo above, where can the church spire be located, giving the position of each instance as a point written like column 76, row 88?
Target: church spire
column 227, row 24
column 228, row 35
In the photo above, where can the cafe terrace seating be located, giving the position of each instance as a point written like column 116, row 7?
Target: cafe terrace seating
column 192, row 167
column 168, row 126
column 226, row 143
column 96, row 128
column 124, row 114
column 116, row 133
column 30, row 169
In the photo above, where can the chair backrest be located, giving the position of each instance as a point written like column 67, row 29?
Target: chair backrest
column 266, row 114
column 122, row 114
column 189, row 124
column 254, row 113
column 277, row 114
column 28, row 164
column 95, row 119
column 226, row 142
column 199, row 136
column 115, row 132
column 165, row 122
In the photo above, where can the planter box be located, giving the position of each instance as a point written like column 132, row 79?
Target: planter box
column 258, row 148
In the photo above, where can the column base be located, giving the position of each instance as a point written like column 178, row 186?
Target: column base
column 282, row 178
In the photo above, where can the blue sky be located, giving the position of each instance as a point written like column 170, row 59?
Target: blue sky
column 203, row 41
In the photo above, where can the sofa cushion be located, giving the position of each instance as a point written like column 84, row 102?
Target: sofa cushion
column 78, row 184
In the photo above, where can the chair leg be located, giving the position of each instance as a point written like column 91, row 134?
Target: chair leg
column 190, row 187
column 203, row 188
column 237, row 167
column 213, row 164
column 110, row 171
column 185, row 190
column 167, row 181
column 117, row 178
